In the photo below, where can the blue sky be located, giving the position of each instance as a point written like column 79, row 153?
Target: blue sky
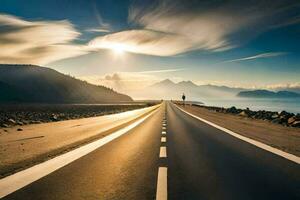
column 236, row 43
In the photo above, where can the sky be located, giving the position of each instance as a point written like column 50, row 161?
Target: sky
column 253, row 44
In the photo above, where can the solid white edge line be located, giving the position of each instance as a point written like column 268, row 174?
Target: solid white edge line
column 261, row 145
column 20, row 179
column 163, row 152
column 162, row 184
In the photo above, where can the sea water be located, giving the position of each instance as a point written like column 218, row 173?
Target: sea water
column 270, row 104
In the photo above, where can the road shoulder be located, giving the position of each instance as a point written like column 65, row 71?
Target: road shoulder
column 286, row 139
column 38, row 143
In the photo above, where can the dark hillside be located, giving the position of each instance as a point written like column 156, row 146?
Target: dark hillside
column 27, row 83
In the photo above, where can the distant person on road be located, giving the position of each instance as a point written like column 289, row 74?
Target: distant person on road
column 183, row 98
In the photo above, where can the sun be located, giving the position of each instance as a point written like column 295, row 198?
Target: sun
column 118, row 49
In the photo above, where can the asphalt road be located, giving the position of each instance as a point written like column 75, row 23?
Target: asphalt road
column 202, row 162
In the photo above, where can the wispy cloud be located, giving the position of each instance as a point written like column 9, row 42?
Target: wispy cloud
column 143, row 42
column 172, row 27
column 37, row 42
column 258, row 56
column 162, row 71
column 102, row 27
column 98, row 30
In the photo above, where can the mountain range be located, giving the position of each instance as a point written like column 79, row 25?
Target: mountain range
column 35, row 84
column 268, row 94
column 167, row 89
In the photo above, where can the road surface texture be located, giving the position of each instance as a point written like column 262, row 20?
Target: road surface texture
column 171, row 155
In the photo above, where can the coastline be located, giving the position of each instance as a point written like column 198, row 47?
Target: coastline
column 283, row 118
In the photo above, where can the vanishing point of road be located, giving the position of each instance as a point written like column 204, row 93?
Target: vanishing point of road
column 171, row 155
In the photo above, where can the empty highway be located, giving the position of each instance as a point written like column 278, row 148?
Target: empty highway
column 171, row 155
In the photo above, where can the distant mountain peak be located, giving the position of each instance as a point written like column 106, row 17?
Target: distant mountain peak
column 187, row 83
column 164, row 83
column 167, row 81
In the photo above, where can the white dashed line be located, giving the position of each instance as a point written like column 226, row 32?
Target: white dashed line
column 163, row 152
column 162, row 184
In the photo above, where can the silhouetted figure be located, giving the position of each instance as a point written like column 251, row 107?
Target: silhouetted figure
column 183, row 98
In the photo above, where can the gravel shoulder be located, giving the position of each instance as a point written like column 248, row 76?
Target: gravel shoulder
column 275, row 135
column 39, row 142
column 23, row 114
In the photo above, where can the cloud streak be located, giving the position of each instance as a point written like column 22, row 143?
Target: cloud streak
column 143, row 42
column 258, row 56
column 38, row 42
column 98, row 30
column 162, row 71
column 172, row 27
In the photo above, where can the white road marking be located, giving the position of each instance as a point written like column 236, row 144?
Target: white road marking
column 162, row 184
column 163, row 152
column 164, row 124
column 261, row 145
column 164, row 128
column 163, row 132
column 20, row 179
column 163, row 139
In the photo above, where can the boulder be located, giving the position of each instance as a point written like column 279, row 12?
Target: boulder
column 291, row 120
column 258, row 115
column 286, row 115
column 296, row 124
column 233, row 110
column 274, row 116
column 297, row 117
column 11, row 121
column 276, row 121
column 4, row 125
column 54, row 117
column 243, row 114
column 20, row 123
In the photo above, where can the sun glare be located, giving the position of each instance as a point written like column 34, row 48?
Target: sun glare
column 118, row 48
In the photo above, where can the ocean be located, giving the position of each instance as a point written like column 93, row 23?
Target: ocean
column 287, row 104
